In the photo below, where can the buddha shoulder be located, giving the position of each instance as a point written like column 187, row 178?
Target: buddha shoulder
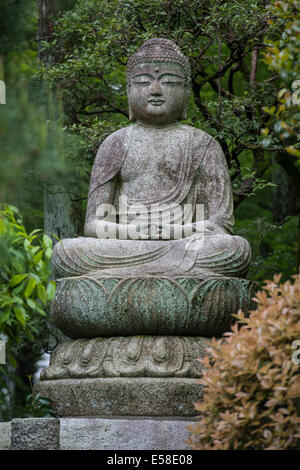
column 206, row 147
column 110, row 156
column 117, row 139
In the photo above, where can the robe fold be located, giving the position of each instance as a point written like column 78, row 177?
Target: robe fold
column 203, row 179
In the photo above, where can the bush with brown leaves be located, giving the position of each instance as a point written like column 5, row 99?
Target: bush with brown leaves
column 252, row 378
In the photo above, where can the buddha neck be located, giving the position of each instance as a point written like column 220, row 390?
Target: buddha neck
column 157, row 126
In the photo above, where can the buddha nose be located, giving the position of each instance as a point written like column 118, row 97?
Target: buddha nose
column 155, row 88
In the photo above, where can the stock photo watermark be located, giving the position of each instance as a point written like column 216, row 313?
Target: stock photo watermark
column 296, row 94
column 154, row 222
column 2, row 92
column 296, row 354
column 2, row 352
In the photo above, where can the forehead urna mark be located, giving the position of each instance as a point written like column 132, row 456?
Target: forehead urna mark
column 161, row 67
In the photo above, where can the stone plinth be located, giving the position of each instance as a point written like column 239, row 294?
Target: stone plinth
column 130, row 433
column 125, row 376
column 140, row 396
column 5, row 435
column 123, row 434
column 35, row 434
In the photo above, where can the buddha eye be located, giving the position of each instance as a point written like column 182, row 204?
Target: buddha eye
column 171, row 83
column 143, row 83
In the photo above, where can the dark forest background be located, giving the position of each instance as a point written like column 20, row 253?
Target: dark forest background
column 64, row 66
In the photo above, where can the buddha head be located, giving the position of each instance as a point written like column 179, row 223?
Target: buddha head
column 158, row 83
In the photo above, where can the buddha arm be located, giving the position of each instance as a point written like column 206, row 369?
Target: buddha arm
column 214, row 190
column 99, row 196
column 100, row 219
column 107, row 164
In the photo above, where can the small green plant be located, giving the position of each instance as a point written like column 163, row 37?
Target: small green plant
column 37, row 406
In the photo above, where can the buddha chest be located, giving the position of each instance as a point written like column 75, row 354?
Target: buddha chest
column 152, row 163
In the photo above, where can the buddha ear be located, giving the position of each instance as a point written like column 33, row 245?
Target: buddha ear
column 185, row 107
column 184, row 113
column 131, row 114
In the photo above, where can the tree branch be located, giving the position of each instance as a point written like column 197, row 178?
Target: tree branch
column 232, row 71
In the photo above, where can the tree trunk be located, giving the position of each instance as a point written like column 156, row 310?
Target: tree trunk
column 62, row 215
column 292, row 203
column 298, row 253
column 2, row 77
column 62, row 208
column 285, row 197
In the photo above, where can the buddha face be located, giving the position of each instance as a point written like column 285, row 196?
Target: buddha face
column 157, row 93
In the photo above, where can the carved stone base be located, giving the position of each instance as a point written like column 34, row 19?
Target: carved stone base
column 140, row 396
column 125, row 376
column 86, row 307
column 131, row 356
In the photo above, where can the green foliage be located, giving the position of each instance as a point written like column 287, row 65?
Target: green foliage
column 244, row 58
column 283, row 57
column 232, row 89
column 252, row 383
column 25, row 293
column 274, row 246
column 38, row 406
column 25, row 289
column 15, row 23
column 91, row 44
column 35, row 149
column 18, row 48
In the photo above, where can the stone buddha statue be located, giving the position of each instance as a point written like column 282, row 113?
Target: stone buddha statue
column 159, row 270
column 158, row 242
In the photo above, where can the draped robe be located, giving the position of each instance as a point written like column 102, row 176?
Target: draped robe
column 203, row 179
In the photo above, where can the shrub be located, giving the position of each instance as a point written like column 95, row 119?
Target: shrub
column 252, row 391
column 25, row 288
column 25, row 293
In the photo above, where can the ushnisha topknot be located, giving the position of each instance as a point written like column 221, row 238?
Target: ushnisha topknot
column 159, row 49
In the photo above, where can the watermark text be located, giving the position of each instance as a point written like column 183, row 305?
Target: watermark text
column 296, row 354
column 2, row 352
column 152, row 222
column 2, row 92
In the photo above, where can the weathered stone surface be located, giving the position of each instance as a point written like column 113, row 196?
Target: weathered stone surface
column 122, row 396
column 123, row 434
column 159, row 255
column 5, row 435
column 85, row 307
column 35, row 434
column 131, row 356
